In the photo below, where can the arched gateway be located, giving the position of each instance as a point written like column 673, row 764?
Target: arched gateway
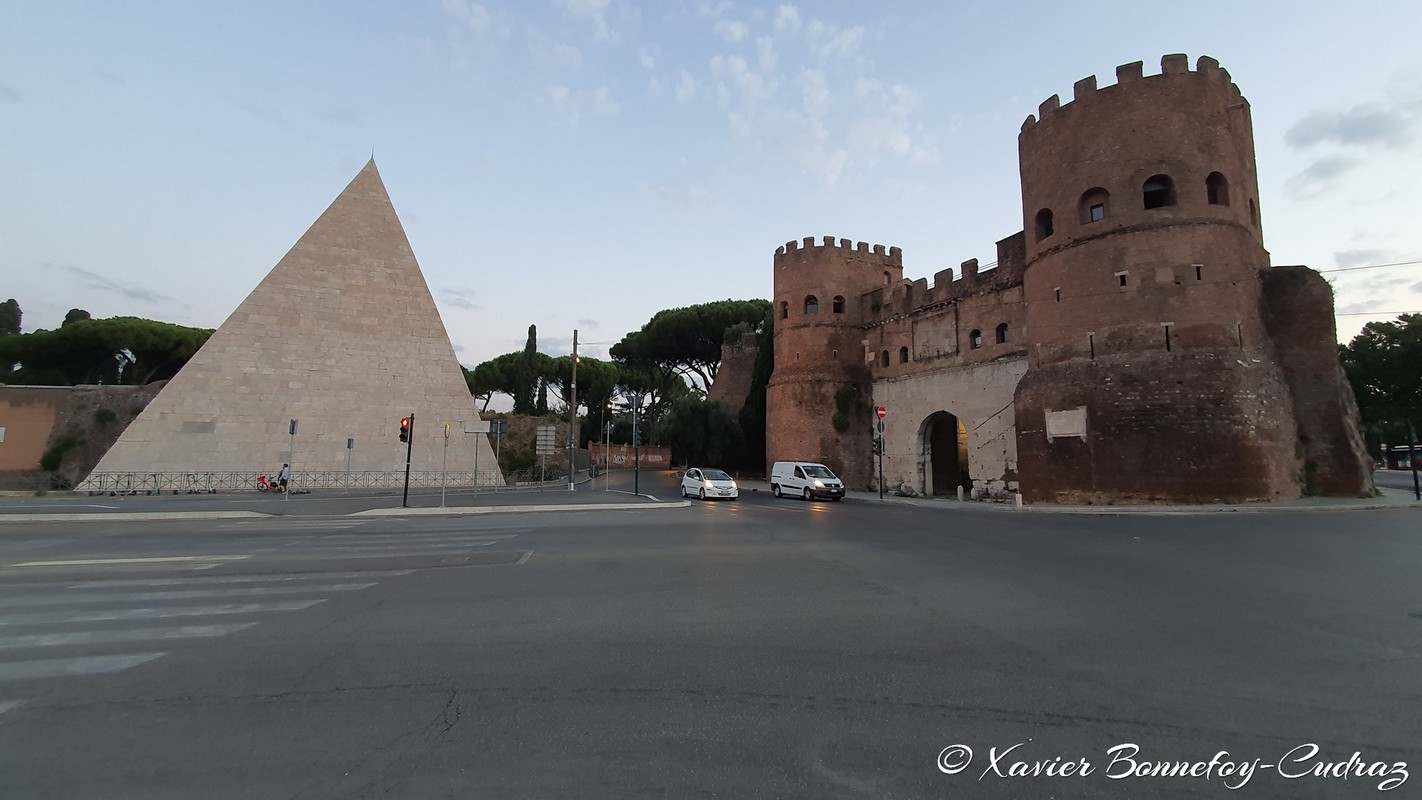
column 943, row 441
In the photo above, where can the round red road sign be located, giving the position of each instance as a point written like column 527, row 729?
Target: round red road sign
column 882, row 412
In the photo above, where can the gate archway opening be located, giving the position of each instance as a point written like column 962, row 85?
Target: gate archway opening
column 945, row 451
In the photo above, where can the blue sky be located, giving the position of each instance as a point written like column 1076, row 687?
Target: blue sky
column 586, row 163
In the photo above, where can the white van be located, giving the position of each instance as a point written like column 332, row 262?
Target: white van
column 804, row 479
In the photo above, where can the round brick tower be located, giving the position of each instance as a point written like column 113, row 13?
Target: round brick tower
column 1150, row 374
column 819, row 348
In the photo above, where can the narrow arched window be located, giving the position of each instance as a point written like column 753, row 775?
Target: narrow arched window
column 884, row 359
column 975, row 339
column 1094, row 204
column 1253, row 214
column 887, row 278
column 1217, row 189
column 903, row 355
column 1158, row 191
column 812, row 305
column 839, row 304
column 784, row 310
column 1044, row 224
column 1002, row 333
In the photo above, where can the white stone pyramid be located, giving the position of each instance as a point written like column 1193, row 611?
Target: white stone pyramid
column 343, row 336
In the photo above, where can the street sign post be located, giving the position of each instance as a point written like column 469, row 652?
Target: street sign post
column 444, row 466
column 545, row 444
column 882, row 412
column 477, row 426
column 290, row 457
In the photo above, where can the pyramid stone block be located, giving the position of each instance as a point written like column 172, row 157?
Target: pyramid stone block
column 342, row 335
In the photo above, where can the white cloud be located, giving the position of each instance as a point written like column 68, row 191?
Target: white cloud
column 592, row 10
column 686, row 86
column 576, row 104
column 730, row 30
column 834, row 42
column 556, row 56
column 815, row 92
column 472, row 15
column 645, row 58
column 766, row 59
column 787, row 18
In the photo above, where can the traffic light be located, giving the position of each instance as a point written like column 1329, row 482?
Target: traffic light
column 878, row 445
column 404, row 429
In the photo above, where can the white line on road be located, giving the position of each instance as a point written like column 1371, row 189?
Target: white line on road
column 66, row 667
column 53, row 617
column 94, row 562
column 401, row 547
column 79, row 598
column 413, row 537
column 308, row 576
column 113, row 637
column 7, row 705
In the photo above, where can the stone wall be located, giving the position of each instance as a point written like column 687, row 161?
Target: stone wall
column 1296, row 302
column 981, row 396
column 734, row 375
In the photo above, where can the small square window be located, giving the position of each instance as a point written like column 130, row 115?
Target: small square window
column 1121, row 276
column 1098, row 212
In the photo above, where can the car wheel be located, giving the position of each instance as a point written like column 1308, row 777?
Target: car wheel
column 808, row 495
column 683, row 490
column 701, row 494
column 775, row 489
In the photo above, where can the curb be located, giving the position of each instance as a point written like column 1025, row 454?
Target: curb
column 132, row 516
column 459, row 512
column 373, row 512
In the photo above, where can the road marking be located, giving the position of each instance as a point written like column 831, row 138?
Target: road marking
column 414, row 537
column 524, row 560
column 113, row 637
column 185, row 594
column 7, row 705
column 69, row 667
column 318, row 576
column 94, row 562
column 403, row 547
column 52, row 617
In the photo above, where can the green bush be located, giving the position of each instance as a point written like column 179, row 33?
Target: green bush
column 54, row 456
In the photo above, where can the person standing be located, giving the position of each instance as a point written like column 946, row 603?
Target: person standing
column 284, row 476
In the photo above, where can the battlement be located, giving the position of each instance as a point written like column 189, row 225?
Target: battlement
column 1086, row 90
column 911, row 296
column 891, row 256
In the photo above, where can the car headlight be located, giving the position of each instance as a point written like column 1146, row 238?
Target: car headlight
column 710, row 485
column 734, row 485
column 819, row 484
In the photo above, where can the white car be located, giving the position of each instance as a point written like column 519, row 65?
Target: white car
column 707, row 483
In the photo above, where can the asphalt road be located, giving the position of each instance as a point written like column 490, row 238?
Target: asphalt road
column 759, row 648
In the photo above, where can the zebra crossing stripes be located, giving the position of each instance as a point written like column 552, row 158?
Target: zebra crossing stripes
column 72, row 667
column 80, row 598
column 222, row 579
column 22, row 642
column 121, row 614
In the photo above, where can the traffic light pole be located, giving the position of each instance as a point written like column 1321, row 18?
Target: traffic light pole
column 1412, row 458
column 409, row 449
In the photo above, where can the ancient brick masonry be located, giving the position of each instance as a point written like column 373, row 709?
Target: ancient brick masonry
column 1132, row 344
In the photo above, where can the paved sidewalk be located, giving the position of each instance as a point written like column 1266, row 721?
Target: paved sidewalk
column 70, row 507
column 1390, row 498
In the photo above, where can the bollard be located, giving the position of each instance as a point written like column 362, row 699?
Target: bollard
column 1017, row 500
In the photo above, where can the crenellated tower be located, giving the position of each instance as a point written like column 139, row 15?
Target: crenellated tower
column 1150, row 374
column 819, row 349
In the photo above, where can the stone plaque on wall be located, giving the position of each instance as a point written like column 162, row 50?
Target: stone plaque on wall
column 1066, row 424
